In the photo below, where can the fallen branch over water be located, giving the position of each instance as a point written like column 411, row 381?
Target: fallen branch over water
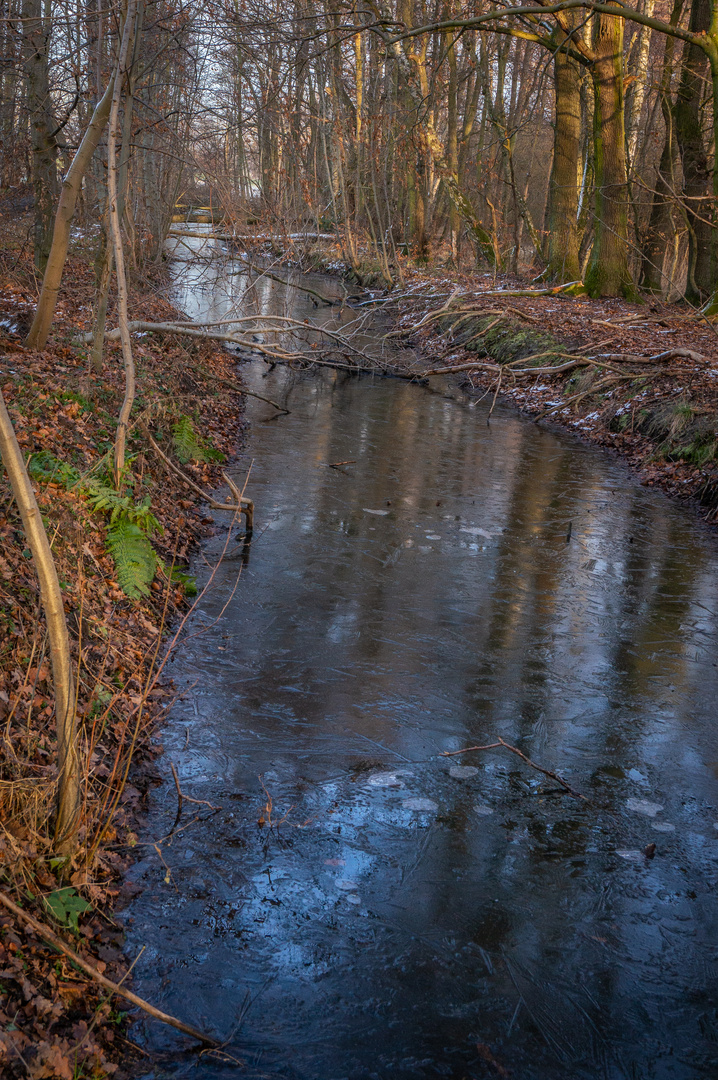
column 57, row 943
column 187, row 330
column 261, row 324
column 515, row 750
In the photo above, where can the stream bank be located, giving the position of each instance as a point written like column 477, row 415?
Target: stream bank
column 663, row 420
column 54, row 1022
column 650, row 394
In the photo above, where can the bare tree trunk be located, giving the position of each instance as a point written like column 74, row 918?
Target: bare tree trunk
column 639, row 86
column 45, row 311
column 68, row 764
column 452, row 144
column 113, row 167
column 658, row 244
column 36, row 33
column 563, row 232
column 101, row 298
column 608, row 273
column 688, row 113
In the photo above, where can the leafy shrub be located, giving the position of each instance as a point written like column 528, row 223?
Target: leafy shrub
column 65, row 905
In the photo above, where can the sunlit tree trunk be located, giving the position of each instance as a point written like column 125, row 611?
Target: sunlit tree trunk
column 562, row 217
column 608, row 273
column 68, row 763
column 452, row 143
column 57, row 255
column 639, row 87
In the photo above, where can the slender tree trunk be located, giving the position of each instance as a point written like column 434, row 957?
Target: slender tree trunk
column 639, row 86
column 711, row 308
column 608, row 273
column 113, row 167
column 658, row 245
column 688, row 113
column 101, row 298
column 68, row 764
column 45, row 311
column 452, row 144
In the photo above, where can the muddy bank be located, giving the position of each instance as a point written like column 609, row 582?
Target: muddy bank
column 122, row 560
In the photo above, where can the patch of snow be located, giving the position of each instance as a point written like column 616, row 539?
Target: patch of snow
column 643, row 806
column 420, row 804
column 475, row 531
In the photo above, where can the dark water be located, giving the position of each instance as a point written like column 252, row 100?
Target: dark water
column 398, row 920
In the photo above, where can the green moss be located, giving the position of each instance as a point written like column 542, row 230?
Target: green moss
column 504, row 341
column 681, row 433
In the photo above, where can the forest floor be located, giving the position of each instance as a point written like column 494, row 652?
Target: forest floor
column 640, row 379
column 55, row 1022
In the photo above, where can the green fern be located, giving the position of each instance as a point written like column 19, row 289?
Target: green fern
column 106, row 500
column 185, row 441
column 188, row 446
column 133, row 555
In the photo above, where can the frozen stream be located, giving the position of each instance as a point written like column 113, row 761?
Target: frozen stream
column 407, row 919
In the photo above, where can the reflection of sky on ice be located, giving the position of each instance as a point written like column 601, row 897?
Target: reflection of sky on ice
column 380, row 938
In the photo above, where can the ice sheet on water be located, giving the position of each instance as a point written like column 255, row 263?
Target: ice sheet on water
column 462, row 772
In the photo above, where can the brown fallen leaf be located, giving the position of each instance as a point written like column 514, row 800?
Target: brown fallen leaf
column 486, row 1054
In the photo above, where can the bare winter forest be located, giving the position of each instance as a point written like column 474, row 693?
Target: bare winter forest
column 527, row 194
column 568, row 140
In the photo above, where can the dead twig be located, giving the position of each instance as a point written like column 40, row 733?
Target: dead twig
column 520, row 753
column 240, row 389
column 115, row 988
column 496, row 394
column 182, row 798
column 242, row 505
